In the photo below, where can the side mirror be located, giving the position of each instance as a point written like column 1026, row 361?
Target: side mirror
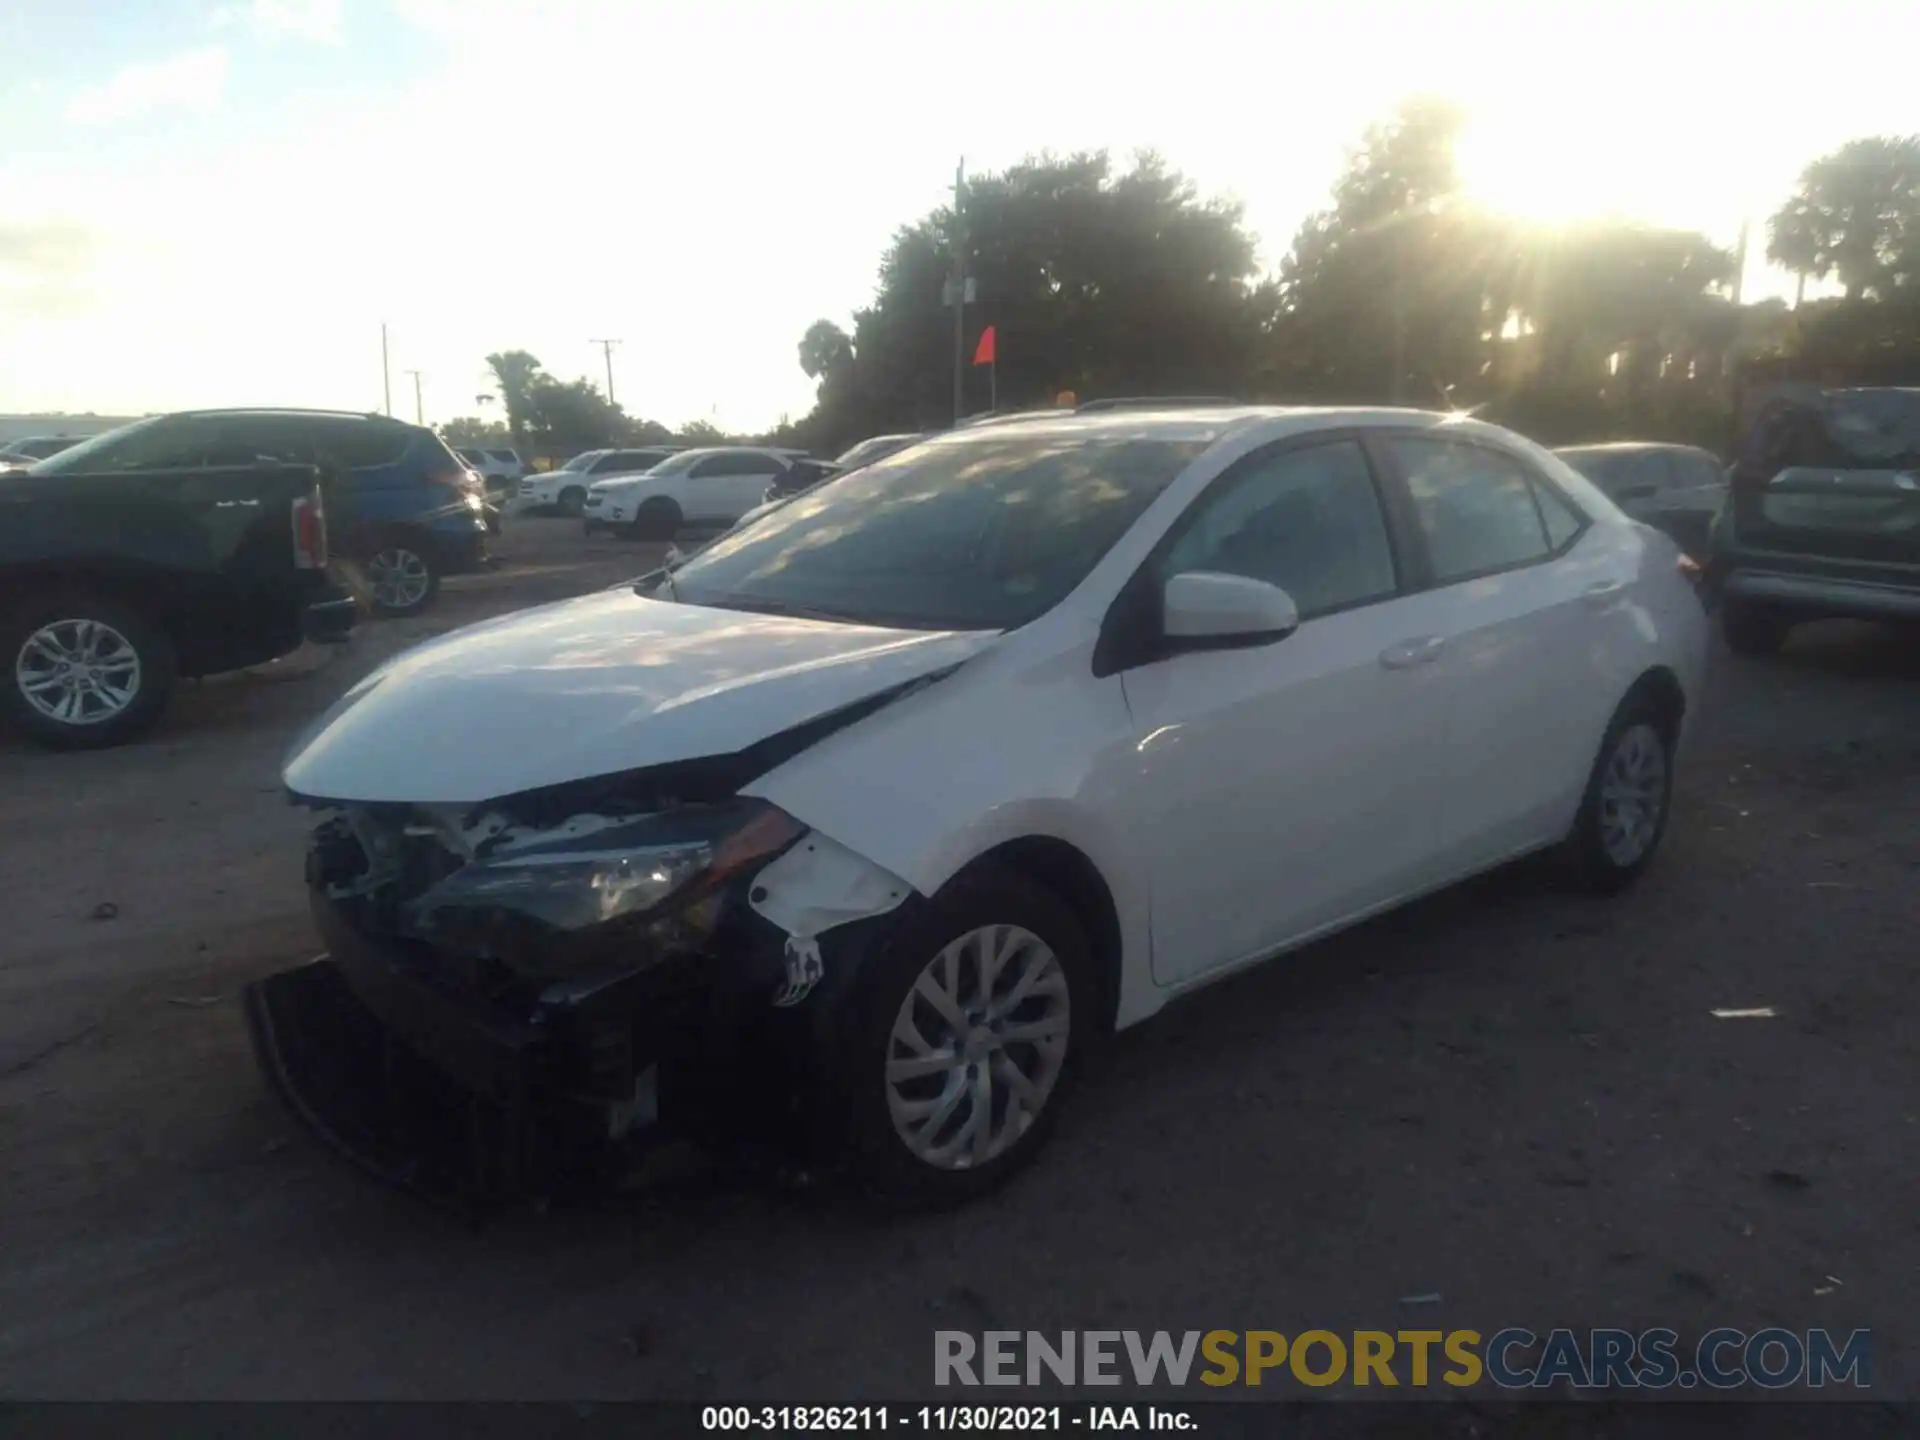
column 1203, row 608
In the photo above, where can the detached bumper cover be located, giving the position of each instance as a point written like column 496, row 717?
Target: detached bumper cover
column 330, row 621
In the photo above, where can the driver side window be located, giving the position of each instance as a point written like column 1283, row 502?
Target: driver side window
column 1306, row 520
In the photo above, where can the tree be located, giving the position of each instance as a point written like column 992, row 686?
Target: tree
column 566, row 417
column 473, row 432
column 1855, row 215
column 702, row 432
column 1099, row 280
column 824, row 349
column 518, row 376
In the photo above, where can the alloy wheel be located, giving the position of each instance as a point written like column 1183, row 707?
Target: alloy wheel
column 1633, row 794
column 977, row 1047
column 78, row 672
column 399, row 577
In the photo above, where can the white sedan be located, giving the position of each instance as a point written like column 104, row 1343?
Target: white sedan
column 945, row 768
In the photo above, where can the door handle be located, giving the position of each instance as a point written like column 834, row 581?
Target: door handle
column 1602, row 591
column 1409, row 653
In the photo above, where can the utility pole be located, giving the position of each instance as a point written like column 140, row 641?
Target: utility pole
column 1740, row 263
column 386, row 375
column 959, row 292
column 419, row 410
column 606, row 348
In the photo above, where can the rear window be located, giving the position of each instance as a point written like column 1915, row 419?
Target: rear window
column 363, row 444
column 472, row 457
column 510, row 456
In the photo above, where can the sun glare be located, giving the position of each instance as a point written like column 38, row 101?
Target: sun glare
column 1544, row 173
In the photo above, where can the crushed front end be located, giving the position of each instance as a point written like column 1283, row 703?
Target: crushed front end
column 515, row 995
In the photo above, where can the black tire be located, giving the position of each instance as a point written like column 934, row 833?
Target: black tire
column 1585, row 856
column 155, row 671
column 573, row 500
column 1753, row 629
column 656, row 519
column 874, row 1159
column 394, row 557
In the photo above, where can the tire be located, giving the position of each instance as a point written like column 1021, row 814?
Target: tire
column 656, row 519
column 1606, row 851
column 1753, row 629
column 403, row 576
column 875, row 1155
column 573, row 500
column 121, row 642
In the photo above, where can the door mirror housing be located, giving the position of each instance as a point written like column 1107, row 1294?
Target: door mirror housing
column 1205, row 609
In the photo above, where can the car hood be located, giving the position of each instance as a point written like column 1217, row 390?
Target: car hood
column 595, row 686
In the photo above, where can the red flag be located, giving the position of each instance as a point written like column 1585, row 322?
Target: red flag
column 983, row 352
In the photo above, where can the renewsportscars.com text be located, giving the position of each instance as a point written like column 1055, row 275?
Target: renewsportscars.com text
column 1512, row 1359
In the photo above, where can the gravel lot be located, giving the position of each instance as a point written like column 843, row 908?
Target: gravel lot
column 1512, row 1097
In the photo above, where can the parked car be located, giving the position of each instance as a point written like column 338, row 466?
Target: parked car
column 116, row 579
column 402, row 508
column 711, row 486
column 30, row 449
column 501, row 470
column 1823, row 521
column 865, row 822
column 877, row 447
column 565, row 489
column 1675, row 488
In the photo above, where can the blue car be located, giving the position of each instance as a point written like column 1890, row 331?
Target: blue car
column 400, row 505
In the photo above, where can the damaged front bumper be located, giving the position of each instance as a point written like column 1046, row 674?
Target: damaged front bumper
column 460, row 1076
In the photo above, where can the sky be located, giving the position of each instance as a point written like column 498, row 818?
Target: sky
column 220, row 202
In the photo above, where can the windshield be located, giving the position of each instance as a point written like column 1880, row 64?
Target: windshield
column 583, row 460
column 873, row 449
column 969, row 535
column 143, row 444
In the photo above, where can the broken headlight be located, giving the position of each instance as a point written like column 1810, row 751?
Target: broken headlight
column 599, row 888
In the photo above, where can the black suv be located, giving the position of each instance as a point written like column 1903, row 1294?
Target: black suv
column 1823, row 515
column 400, row 505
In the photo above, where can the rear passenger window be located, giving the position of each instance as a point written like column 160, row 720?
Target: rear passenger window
column 1305, row 520
column 361, row 444
column 1562, row 520
column 1475, row 508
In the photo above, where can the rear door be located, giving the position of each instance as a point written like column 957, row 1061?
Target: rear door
column 1837, row 485
column 1515, row 614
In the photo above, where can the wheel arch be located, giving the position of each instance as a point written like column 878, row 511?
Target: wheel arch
column 1659, row 685
column 1067, row 871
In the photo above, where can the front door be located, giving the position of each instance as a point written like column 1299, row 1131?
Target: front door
column 1282, row 788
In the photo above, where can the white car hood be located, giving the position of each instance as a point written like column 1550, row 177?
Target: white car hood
column 594, row 686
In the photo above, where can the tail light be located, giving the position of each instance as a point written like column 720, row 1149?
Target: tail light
column 455, row 477
column 1690, row 569
column 309, row 532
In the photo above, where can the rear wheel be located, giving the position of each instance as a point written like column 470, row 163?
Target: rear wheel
column 403, row 577
column 1753, row 629
column 961, row 1041
column 1624, row 812
column 84, row 671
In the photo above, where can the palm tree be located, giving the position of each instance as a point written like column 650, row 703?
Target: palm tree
column 517, row 374
column 1851, row 214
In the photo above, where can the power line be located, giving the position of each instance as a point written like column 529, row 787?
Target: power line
column 606, row 348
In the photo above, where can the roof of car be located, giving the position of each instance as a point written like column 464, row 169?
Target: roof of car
column 1206, row 423
column 1621, row 447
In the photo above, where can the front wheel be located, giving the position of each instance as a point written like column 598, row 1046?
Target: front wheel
column 656, row 519
column 403, row 578
column 1623, row 814
column 573, row 500
column 963, row 1038
column 85, row 671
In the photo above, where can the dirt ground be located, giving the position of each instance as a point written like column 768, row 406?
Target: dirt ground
column 1508, row 1096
